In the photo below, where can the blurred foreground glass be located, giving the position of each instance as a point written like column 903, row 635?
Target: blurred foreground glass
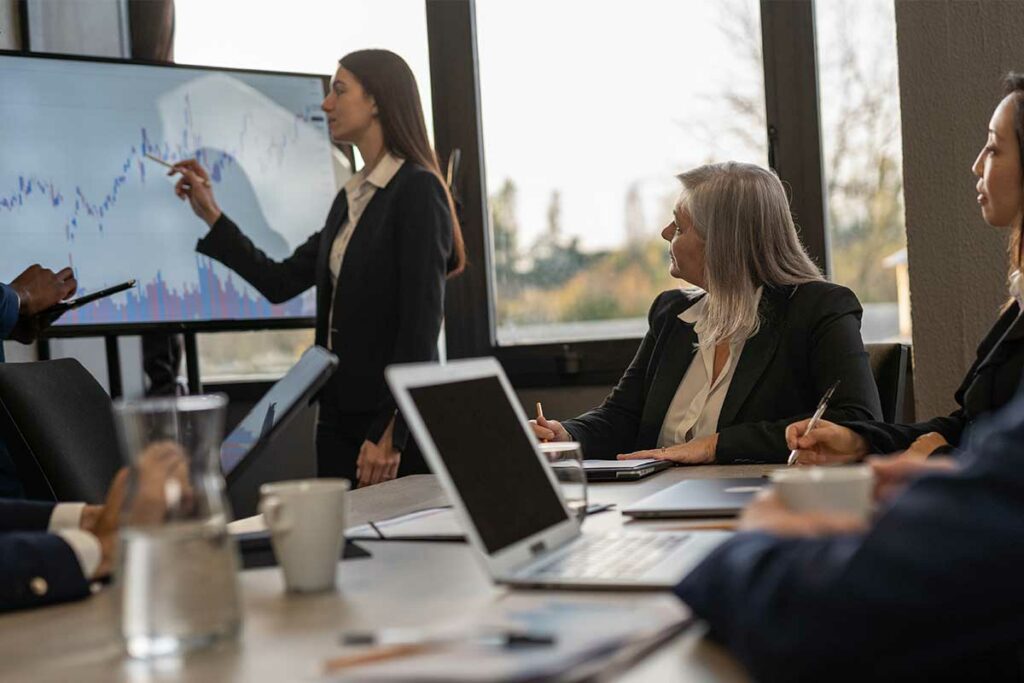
column 177, row 572
column 566, row 459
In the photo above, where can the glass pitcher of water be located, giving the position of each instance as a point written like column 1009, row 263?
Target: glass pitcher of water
column 176, row 580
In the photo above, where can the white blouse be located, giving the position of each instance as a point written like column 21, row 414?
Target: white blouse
column 694, row 410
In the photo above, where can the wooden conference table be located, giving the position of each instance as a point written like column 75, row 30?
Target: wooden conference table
column 286, row 637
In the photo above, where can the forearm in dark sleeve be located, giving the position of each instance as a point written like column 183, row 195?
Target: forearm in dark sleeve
column 278, row 281
column 25, row 515
column 38, row 569
column 888, row 438
column 9, row 306
column 611, row 428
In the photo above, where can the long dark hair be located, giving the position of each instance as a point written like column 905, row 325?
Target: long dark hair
column 1013, row 84
column 389, row 80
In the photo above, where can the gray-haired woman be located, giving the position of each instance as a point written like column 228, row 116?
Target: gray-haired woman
column 724, row 368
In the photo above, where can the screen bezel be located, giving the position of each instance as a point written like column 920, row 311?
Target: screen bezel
column 504, row 562
column 232, row 325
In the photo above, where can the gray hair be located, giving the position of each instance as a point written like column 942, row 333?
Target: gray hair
column 742, row 215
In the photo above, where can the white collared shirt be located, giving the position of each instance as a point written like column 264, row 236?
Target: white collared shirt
column 1015, row 289
column 695, row 408
column 359, row 190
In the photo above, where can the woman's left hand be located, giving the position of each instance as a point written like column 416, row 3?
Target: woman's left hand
column 379, row 461
column 697, row 452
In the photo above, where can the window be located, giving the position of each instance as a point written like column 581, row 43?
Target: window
column 588, row 114
column 862, row 150
column 305, row 36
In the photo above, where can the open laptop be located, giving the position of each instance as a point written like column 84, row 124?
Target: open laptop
column 277, row 407
column 698, row 498
column 475, row 436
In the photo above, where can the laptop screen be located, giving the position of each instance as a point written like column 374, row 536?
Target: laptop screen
column 275, row 406
column 490, row 459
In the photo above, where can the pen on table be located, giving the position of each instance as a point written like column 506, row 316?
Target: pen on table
column 822, row 406
column 540, row 416
column 169, row 165
column 394, row 643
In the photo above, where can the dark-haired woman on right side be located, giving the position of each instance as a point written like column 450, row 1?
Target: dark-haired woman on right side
column 995, row 375
column 379, row 264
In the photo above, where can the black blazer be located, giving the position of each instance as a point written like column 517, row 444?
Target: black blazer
column 809, row 337
column 390, row 292
column 36, row 568
column 991, row 383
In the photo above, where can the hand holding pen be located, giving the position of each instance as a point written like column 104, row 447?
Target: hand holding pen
column 810, row 424
column 194, row 185
column 548, row 430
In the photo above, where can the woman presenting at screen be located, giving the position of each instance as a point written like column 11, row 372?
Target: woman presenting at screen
column 379, row 263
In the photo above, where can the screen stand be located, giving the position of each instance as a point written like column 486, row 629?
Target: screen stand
column 195, row 386
column 113, row 366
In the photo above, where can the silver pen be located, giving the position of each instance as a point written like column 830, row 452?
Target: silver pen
column 822, row 407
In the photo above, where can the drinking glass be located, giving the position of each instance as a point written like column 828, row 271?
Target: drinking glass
column 176, row 581
column 566, row 459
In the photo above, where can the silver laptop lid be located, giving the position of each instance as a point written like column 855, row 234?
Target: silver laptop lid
column 474, row 434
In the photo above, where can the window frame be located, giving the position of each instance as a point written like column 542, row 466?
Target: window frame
column 794, row 143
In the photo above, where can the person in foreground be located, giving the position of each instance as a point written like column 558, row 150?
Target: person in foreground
column 51, row 552
column 994, row 376
column 379, row 264
column 931, row 591
column 724, row 368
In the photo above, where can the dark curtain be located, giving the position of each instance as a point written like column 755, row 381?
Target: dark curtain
column 152, row 29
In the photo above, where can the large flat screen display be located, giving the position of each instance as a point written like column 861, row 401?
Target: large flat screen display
column 77, row 187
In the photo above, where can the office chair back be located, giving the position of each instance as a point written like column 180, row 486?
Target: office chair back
column 58, row 425
column 889, row 366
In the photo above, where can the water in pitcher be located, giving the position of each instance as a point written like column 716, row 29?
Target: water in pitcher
column 177, row 587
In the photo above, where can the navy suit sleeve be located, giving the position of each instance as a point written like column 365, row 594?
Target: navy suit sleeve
column 612, row 427
column 8, row 311
column 932, row 588
column 38, row 569
column 24, row 515
column 887, row 438
column 278, row 281
column 424, row 238
column 836, row 353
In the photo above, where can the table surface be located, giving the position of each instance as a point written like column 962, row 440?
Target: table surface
column 286, row 637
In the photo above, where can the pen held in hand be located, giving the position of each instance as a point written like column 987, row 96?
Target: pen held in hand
column 169, row 165
column 813, row 422
column 540, row 416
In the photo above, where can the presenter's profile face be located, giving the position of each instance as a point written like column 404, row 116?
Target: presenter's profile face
column 686, row 248
column 1000, row 194
column 350, row 110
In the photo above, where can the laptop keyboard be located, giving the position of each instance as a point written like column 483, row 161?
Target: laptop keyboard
column 612, row 556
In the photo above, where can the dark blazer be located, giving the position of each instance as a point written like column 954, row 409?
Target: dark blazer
column 809, row 337
column 991, row 383
column 931, row 592
column 390, row 293
column 36, row 568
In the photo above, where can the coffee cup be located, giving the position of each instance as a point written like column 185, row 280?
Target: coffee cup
column 306, row 519
column 846, row 490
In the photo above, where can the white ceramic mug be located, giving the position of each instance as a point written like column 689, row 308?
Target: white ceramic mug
column 306, row 519
column 832, row 489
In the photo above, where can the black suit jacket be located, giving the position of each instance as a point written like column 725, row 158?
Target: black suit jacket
column 931, row 592
column 809, row 337
column 389, row 301
column 36, row 568
column 991, row 383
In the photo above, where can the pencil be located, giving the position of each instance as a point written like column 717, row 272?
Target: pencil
column 380, row 654
column 540, row 416
column 169, row 165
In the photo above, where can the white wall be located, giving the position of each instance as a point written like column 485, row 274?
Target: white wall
column 952, row 56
